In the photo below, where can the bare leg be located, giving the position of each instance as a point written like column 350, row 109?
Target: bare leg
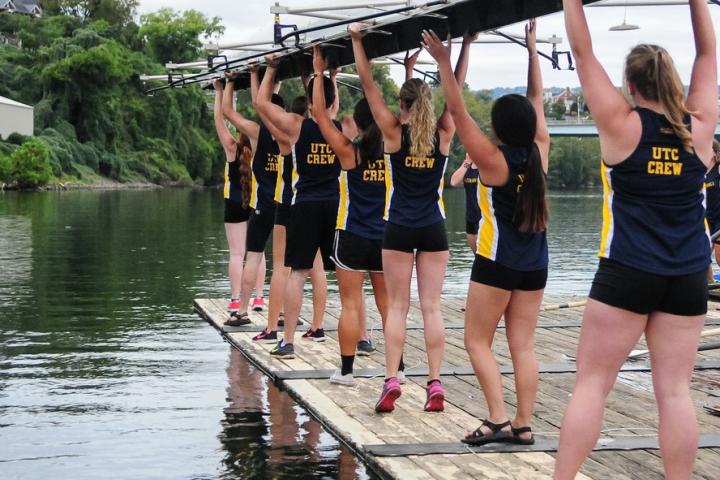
column 249, row 277
column 279, row 277
column 398, row 272
column 235, row 233
column 293, row 302
column 319, row 291
column 260, row 282
column 380, row 293
column 431, row 267
column 521, row 318
column 351, row 298
column 606, row 338
column 485, row 306
column 673, row 342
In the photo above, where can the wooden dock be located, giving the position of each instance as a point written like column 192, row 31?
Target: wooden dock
column 412, row 444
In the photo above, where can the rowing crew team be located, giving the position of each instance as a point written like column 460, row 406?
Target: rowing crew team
column 366, row 193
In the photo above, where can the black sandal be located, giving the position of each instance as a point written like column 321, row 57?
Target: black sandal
column 238, row 319
column 498, row 434
column 522, row 441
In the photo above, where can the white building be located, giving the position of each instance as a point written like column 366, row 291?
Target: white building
column 15, row 117
column 25, row 7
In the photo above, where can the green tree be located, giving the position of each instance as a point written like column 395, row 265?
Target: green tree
column 557, row 110
column 174, row 36
column 30, row 164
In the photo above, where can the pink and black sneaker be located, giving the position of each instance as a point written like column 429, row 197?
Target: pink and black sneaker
column 266, row 336
column 391, row 392
column 314, row 335
column 435, row 397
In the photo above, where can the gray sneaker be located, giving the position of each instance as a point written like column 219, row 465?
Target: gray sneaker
column 340, row 379
column 365, row 348
column 283, row 350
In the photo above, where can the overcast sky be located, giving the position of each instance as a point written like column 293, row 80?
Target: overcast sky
column 492, row 65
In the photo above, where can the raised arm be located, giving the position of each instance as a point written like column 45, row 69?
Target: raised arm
column 484, row 154
column 386, row 120
column 702, row 96
column 244, row 125
column 458, row 175
column 226, row 139
column 336, row 103
column 619, row 130
column 535, row 93
column 340, row 144
column 445, row 123
column 287, row 123
column 410, row 61
column 278, row 135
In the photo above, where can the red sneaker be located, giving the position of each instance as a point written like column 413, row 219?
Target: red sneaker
column 391, row 392
column 258, row 304
column 233, row 306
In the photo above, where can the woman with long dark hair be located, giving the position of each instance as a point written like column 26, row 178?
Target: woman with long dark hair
column 237, row 191
column 510, row 269
column 359, row 230
column 654, row 249
column 415, row 235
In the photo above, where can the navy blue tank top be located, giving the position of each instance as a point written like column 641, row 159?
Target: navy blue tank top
column 712, row 197
column 232, row 189
column 414, row 185
column 362, row 200
column 284, row 181
column 472, row 207
column 264, row 171
column 653, row 204
column 499, row 239
column 316, row 165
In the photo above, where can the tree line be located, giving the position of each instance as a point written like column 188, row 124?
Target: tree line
column 79, row 66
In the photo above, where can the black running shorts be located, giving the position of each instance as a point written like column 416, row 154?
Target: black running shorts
column 641, row 292
column 282, row 214
column 472, row 228
column 432, row 238
column 356, row 254
column 260, row 226
column 235, row 213
column 311, row 227
column 489, row 272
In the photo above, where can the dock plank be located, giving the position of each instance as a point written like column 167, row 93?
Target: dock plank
column 349, row 415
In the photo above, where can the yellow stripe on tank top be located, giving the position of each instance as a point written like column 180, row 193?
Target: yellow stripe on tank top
column 388, row 187
column 607, row 227
column 344, row 205
column 279, row 181
column 487, row 233
column 253, row 187
column 226, row 187
column 441, row 201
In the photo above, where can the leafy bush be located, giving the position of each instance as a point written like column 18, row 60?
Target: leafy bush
column 30, row 164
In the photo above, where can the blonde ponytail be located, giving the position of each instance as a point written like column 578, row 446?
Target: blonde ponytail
column 651, row 70
column 417, row 97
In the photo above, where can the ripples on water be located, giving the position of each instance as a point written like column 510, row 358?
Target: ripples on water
column 105, row 372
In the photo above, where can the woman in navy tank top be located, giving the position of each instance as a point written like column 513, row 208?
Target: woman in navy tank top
column 415, row 160
column 654, row 250
column 510, row 268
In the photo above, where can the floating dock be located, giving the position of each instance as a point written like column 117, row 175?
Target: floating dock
column 412, row 444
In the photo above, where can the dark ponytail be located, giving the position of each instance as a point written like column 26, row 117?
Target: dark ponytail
column 515, row 123
column 531, row 210
column 369, row 145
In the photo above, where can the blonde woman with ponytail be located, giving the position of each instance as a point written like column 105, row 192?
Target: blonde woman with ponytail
column 416, row 156
column 654, row 250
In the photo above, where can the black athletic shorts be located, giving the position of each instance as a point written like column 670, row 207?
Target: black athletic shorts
column 489, row 272
column 235, row 213
column 471, row 228
column 260, row 226
column 282, row 214
column 311, row 227
column 432, row 238
column 641, row 292
column 356, row 254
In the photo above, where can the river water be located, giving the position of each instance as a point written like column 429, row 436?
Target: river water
column 106, row 372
